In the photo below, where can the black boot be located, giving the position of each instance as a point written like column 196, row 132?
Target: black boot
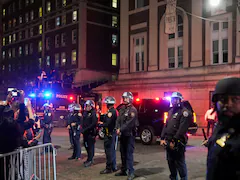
column 106, row 171
column 121, row 173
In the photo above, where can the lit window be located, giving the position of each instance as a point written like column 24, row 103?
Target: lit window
column 57, row 40
column 4, row 12
column 32, row 15
column 9, row 53
column 114, row 39
column 40, row 29
column 64, row 2
column 4, row 41
column 114, row 21
column 56, row 60
column 26, row 17
column 74, row 18
column 14, row 22
column 40, row 12
column 114, row 3
column 27, row 2
column 3, row 54
column 10, row 39
column 31, row 48
column 39, row 46
column 63, row 39
column 48, row 61
column 63, row 59
column 74, row 57
column 26, row 49
column 74, row 36
column 58, row 21
column 114, row 59
column 13, row 52
column 48, row 6
column 63, row 19
column 20, row 50
column 14, row 37
column 20, row 19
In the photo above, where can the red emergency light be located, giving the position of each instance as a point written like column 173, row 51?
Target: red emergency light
column 71, row 97
column 157, row 99
column 137, row 99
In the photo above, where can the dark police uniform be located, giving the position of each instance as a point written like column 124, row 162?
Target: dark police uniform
column 70, row 130
column 47, row 126
column 75, row 130
column 175, row 131
column 127, row 122
column 110, row 138
column 89, row 125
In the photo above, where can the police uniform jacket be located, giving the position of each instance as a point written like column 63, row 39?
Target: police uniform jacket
column 110, row 120
column 178, row 121
column 90, row 120
column 76, row 118
column 127, row 120
column 48, row 118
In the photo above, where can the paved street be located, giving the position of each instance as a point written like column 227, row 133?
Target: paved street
column 150, row 161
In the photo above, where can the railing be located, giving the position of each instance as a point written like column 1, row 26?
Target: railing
column 34, row 163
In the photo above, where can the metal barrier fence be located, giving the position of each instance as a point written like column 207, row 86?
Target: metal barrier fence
column 34, row 163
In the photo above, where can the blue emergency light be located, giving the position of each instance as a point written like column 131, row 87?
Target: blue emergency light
column 47, row 95
column 32, row 95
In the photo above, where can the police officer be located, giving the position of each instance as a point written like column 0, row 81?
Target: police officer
column 75, row 123
column 89, row 131
column 127, row 123
column 174, row 136
column 110, row 135
column 47, row 123
column 224, row 145
column 70, row 109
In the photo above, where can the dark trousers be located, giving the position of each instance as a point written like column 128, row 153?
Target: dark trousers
column 47, row 135
column 127, row 149
column 89, row 143
column 109, row 146
column 70, row 136
column 210, row 124
column 76, row 145
column 176, row 163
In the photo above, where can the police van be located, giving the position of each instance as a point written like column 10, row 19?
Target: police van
column 153, row 114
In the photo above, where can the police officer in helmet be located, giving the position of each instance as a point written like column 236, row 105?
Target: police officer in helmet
column 70, row 110
column 224, row 145
column 47, row 123
column 75, row 123
column 110, row 135
column 174, row 136
column 89, row 131
column 127, row 123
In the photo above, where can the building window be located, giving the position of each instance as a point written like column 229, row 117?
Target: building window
column 74, row 57
column 48, row 61
column 40, row 63
column 48, row 43
column 64, row 19
column 26, row 33
column 4, row 27
column 4, row 41
column 26, row 49
column 63, row 39
column 64, row 2
column 58, row 21
column 3, row 54
column 139, row 46
column 114, row 3
column 13, row 53
column 219, row 45
column 74, row 16
column 114, row 39
column 171, row 57
column 114, row 59
column 47, row 25
column 26, row 17
column 14, row 22
column 57, row 40
column 139, row 3
column 20, row 19
column 26, row 2
column 4, row 12
column 20, row 51
column 32, row 1
column 48, row 6
column 10, row 39
column 56, row 60
column 20, row 35
column 63, row 59
column 31, row 32
column 9, row 24
column 40, row 29
column 9, row 53
column 179, row 32
column 31, row 48
column 32, row 15
column 74, row 36
column 14, row 37
column 40, row 12
column 114, row 21
column 39, row 46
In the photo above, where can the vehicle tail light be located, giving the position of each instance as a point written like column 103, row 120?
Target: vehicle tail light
column 194, row 118
column 157, row 99
column 165, row 117
column 138, row 99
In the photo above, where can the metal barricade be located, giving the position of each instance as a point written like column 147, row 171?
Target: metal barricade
column 34, row 163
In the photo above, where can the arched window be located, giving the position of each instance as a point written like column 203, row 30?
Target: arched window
column 175, row 46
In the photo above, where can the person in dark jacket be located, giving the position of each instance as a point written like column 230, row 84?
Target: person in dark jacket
column 89, row 130
column 224, row 145
column 174, row 136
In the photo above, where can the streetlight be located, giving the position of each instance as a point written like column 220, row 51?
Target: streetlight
column 214, row 3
